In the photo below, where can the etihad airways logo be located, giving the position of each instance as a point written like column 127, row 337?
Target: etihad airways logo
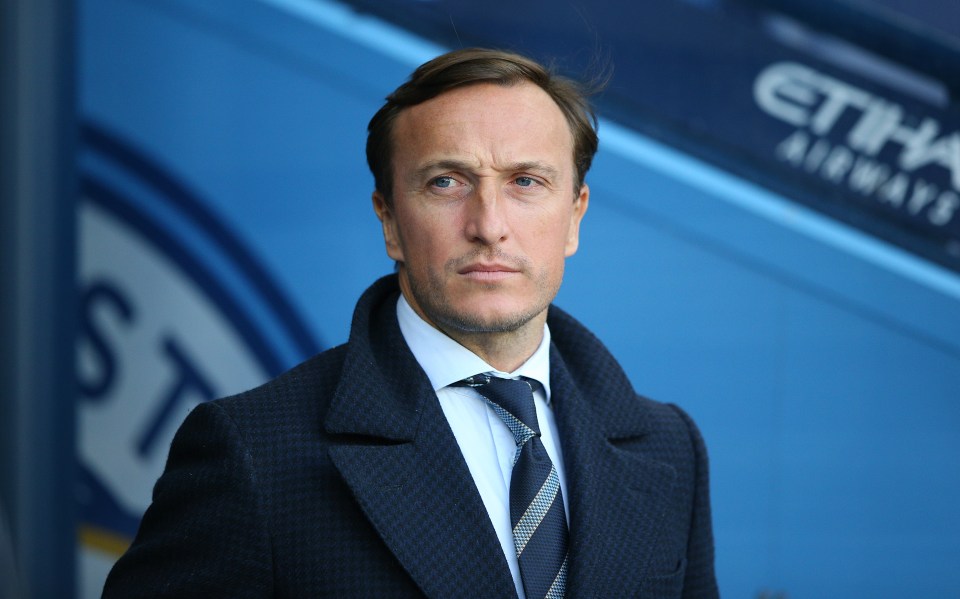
column 869, row 144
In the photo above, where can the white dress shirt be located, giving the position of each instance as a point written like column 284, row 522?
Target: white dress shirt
column 487, row 444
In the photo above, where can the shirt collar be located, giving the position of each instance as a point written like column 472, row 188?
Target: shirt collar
column 445, row 361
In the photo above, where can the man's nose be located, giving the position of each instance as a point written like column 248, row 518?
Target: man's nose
column 487, row 221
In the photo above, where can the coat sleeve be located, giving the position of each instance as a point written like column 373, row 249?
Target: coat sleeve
column 205, row 534
column 700, row 579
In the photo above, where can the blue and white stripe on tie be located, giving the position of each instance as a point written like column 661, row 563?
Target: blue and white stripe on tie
column 536, row 502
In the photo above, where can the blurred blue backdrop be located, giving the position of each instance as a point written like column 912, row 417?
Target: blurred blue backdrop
column 730, row 259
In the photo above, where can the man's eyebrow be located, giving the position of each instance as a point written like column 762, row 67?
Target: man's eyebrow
column 533, row 166
column 442, row 165
column 540, row 168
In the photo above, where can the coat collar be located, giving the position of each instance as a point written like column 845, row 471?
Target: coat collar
column 403, row 464
column 394, row 449
column 613, row 486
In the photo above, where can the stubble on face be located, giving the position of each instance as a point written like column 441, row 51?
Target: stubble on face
column 431, row 294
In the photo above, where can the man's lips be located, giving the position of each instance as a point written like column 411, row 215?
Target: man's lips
column 488, row 272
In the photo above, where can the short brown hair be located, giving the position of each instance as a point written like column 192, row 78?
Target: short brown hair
column 470, row 66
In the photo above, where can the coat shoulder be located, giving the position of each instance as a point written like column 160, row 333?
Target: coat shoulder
column 301, row 391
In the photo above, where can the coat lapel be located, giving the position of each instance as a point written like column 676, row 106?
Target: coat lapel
column 404, row 467
column 402, row 463
column 617, row 496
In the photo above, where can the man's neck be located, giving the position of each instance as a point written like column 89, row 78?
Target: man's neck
column 445, row 360
column 505, row 351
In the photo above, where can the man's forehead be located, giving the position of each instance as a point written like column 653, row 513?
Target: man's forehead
column 521, row 112
column 521, row 94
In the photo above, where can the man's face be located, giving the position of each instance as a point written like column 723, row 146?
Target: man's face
column 484, row 208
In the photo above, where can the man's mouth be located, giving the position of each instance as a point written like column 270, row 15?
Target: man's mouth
column 488, row 272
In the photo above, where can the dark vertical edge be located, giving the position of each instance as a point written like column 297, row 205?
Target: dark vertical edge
column 37, row 286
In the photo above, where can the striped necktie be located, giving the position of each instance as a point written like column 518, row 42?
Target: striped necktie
column 536, row 503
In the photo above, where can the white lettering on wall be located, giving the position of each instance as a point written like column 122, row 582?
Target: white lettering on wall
column 851, row 137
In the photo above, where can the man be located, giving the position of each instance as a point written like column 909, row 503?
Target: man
column 469, row 440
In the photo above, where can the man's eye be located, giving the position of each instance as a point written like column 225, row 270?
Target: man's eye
column 444, row 182
column 524, row 181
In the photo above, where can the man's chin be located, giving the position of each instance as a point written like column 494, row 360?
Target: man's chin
column 487, row 320
column 473, row 310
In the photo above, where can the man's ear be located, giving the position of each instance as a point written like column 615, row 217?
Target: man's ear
column 391, row 236
column 579, row 209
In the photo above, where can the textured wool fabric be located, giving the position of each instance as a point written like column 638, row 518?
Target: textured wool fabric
column 341, row 478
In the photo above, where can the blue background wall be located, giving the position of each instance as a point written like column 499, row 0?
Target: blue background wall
column 821, row 363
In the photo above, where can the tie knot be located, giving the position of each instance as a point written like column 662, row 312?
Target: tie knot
column 512, row 400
